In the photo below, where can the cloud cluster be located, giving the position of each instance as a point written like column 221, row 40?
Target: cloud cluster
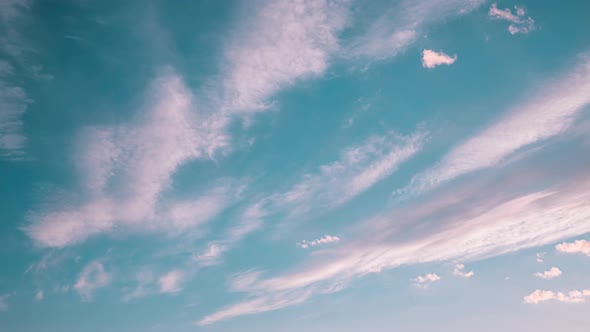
column 574, row 296
column 519, row 22
column 323, row 240
column 426, row 280
column 431, row 59
column 552, row 273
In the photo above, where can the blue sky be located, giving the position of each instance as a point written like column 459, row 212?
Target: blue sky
column 317, row 165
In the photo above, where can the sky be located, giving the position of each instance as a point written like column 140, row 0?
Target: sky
column 289, row 165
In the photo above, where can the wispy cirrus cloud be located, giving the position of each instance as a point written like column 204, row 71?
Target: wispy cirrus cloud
column 401, row 25
column 283, row 42
column 171, row 282
column 576, row 247
column 575, row 296
column 124, row 170
column 92, row 277
column 519, row 22
column 552, row 273
column 431, row 59
column 554, row 108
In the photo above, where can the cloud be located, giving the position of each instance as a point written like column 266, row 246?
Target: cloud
column 519, row 23
column 471, row 225
column 358, row 169
column 126, row 169
column 539, row 256
column 549, row 274
column 574, row 296
column 426, row 280
column 212, row 255
column 554, row 110
column 39, row 295
column 576, row 247
column 401, row 25
column 323, row 240
column 285, row 41
column 431, row 59
column 171, row 281
column 458, row 271
column 92, row 277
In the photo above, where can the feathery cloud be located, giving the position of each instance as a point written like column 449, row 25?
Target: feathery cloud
column 431, row 59
column 171, row 281
column 92, row 277
column 576, row 247
column 574, row 296
column 552, row 273
column 554, row 109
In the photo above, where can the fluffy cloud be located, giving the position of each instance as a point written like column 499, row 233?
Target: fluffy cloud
column 459, row 271
column 426, row 280
column 323, row 240
column 549, row 274
column 519, row 23
column 92, row 277
column 576, row 247
column 574, row 296
column 171, row 281
column 431, row 59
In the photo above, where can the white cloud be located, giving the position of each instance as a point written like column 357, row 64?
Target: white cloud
column 426, row 280
column 431, row 59
column 359, row 168
column 519, row 23
column 286, row 41
column 539, row 256
column 39, row 295
column 552, row 273
column 323, row 240
column 212, row 255
column 171, row 281
column 13, row 104
column 126, row 169
column 459, row 271
column 92, row 277
column 554, row 109
column 576, row 247
column 476, row 229
column 574, row 296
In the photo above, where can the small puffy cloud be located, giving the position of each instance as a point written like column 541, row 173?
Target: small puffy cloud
column 324, row 240
column 92, row 277
column 518, row 22
column 170, row 282
column 549, row 274
column 39, row 296
column 459, row 271
column 574, row 296
column 539, row 258
column 426, row 280
column 431, row 59
column 576, row 247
